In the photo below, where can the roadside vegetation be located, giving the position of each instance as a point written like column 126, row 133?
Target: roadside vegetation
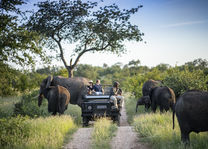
column 26, row 133
column 156, row 130
column 103, row 132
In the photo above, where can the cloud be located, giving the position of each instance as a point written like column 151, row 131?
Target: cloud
column 184, row 23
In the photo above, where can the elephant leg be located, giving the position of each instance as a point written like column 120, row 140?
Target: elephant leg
column 161, row 109
column 54, row 113
column 185, row 138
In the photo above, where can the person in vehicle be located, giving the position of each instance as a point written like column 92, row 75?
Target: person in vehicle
column 116, row 95
column 90, row 88
column 98, row 87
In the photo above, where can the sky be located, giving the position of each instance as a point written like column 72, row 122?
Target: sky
column 175, row 32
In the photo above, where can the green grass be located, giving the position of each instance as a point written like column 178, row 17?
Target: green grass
column 156, row 129
column 46, row 133
column 7, row 105
column 103, row 132
column 130, row 104
column 75, row 112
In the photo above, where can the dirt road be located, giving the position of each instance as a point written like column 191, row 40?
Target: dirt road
column 125, row 137
column 81, row 139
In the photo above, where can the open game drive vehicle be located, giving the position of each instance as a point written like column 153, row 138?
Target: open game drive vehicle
column 98, row 105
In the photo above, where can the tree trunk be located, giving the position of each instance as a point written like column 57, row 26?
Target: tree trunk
column 70, row 71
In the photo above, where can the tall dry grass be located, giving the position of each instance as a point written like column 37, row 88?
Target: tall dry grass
column 156, row 129
column 46, row 133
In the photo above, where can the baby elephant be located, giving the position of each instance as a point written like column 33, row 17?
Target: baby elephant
column 58, row 98
column 163, row 97
column 144, row 100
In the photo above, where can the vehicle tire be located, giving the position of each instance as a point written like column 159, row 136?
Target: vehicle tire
column 85, row 121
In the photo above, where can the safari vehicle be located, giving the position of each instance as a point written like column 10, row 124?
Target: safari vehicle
column 99, row 105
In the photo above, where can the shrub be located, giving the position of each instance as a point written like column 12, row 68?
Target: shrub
column 7, row 106
column 181, row 81
column 13, row 131
column 28, row 105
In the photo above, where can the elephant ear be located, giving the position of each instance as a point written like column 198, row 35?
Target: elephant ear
column 49, row 80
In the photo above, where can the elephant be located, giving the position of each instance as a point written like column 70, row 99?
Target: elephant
column 144, row 100
column 148, row 85
column 76, row 86
column 58, row 99
column 146, row 88
column 164, row 97
column 191, row 111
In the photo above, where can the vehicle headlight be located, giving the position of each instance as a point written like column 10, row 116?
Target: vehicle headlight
column 89, row 107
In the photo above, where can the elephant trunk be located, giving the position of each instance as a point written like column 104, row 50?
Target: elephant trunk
column 139, row 102
column 40, row 98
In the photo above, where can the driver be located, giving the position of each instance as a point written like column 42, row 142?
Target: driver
column 116, row 95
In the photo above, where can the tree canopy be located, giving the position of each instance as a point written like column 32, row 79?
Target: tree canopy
column 92, row 29
column 17, row 45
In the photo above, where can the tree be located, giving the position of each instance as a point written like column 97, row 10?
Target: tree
column 92, row 29
column 17, row 45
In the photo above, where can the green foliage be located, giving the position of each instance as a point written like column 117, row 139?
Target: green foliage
column 156, row 129
column 102, row 134
column 28, row 105
column 13, row 131
column 91, row 28
column 7, row 106
column 24, row 133
column 17, row 45
column 181, row 81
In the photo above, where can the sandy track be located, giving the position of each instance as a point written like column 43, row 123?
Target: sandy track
column 125, row 137
column 81, row 139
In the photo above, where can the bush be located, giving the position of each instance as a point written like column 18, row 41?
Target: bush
column 13, row 131
column 7, row 106
column 181, row 81
column 28, row 105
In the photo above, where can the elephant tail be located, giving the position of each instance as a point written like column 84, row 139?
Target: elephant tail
column 173, row 116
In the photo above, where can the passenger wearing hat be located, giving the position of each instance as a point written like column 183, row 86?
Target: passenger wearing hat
column 90, row 87
column 116, row 94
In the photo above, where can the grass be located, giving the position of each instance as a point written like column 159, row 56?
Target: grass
column 156, row 129
column 75, row 112
column 130, row 104
column 102, row 134
column 46, row 133
column 7, row 105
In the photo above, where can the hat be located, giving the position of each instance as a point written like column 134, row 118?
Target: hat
column 116, row 83
column 90, row 81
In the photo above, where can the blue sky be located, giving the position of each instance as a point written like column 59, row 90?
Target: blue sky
column 176, row 31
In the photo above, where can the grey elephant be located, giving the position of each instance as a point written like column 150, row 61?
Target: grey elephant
column 164, row 97
column 148, row 85
column 58, row 98
column 76, row 86
column 191, row 110
column 144, row 100
column 146, row 88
